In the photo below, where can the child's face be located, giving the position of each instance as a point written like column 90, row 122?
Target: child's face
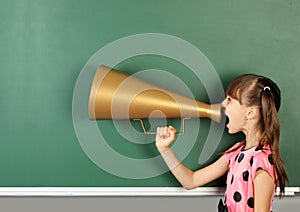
column 236, row 114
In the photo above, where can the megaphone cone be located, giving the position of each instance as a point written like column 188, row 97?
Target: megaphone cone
column 116, row 95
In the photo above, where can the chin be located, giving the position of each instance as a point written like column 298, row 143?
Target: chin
column 232, row 131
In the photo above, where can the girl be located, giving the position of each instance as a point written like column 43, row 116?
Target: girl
column 253, row 166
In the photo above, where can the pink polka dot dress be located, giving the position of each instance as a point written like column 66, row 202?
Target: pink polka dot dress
column 243, row 164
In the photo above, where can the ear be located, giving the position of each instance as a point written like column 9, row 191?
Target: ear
column 252, row 112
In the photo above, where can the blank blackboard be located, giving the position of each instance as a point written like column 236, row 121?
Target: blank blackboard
column 45, row 45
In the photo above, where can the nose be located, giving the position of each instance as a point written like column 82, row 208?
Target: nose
column 223, row 103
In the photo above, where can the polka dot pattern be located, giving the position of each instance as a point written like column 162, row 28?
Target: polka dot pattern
column 251, row 160
column 245, row 175
column 259, row 168
column 258, row 148
column 244, row 163
column 270, row 158
column 250, row 202
column 237, row 196
column 236, row 157
column 241, row 157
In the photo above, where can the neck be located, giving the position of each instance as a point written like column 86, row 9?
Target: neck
column 252, row 138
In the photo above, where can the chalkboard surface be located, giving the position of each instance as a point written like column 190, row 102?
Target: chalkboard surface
column 46, row 46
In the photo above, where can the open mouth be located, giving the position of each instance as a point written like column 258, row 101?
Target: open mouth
column 227, row 120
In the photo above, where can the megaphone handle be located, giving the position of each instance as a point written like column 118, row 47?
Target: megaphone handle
column 153, row 133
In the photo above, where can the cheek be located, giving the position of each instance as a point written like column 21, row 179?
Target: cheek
column 235, row 119
column 231, row 113
column 233, row 125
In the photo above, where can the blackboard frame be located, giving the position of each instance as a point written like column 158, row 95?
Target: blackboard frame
column 123, row 191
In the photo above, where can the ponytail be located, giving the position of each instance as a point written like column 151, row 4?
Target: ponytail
column 271, row 132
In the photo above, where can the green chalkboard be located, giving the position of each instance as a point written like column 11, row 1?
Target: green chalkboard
column 47, row 46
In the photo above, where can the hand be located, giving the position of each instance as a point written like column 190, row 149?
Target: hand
column 164, row 137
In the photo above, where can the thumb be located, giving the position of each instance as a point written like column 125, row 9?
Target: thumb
column 172, row 131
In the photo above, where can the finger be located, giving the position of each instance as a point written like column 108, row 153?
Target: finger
column 172, row 132
column 157, row 132
column 165, row 132
column 168, row 132
column 172, row 129
column 161, row 133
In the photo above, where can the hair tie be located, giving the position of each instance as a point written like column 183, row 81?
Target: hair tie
column 267, row 88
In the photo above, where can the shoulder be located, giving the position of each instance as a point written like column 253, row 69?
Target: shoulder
column 262, row 159
column 236, row 148
column 263, row 155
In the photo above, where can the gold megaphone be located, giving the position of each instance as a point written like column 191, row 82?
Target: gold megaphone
column 116, row 95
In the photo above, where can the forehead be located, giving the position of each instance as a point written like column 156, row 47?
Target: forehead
column 234, row 92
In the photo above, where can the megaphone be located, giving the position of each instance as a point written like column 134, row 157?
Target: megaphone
column 117, row 95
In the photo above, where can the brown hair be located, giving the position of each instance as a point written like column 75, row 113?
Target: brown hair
column 255, row 90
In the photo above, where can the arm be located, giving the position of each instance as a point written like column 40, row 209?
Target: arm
column 188, row 178
column 263, row 191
